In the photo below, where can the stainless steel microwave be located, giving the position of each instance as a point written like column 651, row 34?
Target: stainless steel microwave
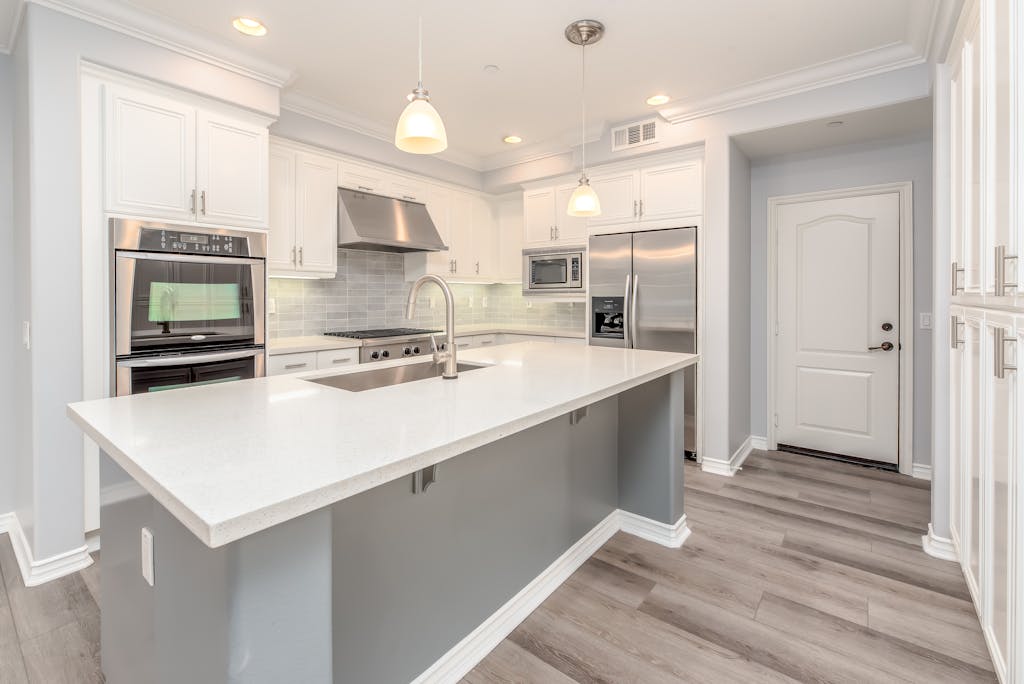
column 553, row 272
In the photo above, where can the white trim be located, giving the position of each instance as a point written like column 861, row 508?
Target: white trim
column 921, row 471
column 907, row 322
column 12, row 35
column 92, row 541
column 464, row 656
column 36, row 572
column 860, row 65
column 156, row 30
column 938, row 547
column 733, row 465
column 759, row 443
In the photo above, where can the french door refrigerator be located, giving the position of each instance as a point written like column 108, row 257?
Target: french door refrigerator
column 643, row 295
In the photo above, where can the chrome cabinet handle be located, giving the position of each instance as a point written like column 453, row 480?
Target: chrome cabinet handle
column 626, row 327
column 409, row 197
column 955, row 277
column 192, row 203
column 999, row 365
column 633, row 305
column 363, row 187
column 635, row 209
column 293, row 366
column 1000, row 271
column 954, row 332
column 885, row 346
column 345, row 359
column 478, row 268
column 188, row 359
column 202, row 202
column 294, row 261
column 641, row 208
column 300, row 256
column 551, row 233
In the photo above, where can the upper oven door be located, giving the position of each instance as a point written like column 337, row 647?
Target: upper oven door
column 171, row 302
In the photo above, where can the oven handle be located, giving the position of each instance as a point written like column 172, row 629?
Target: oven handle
column 187, row 359
column 190, row 258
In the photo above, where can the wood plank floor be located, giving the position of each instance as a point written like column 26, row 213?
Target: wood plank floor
column 797, row 570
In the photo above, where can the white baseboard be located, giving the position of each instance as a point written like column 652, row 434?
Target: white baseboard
column 733, row 465
column 35, row 572
column 759, row 443
column 921, row 471
column 939, row 547
column 464, row 656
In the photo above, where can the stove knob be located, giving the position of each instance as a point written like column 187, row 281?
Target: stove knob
column 407, row 351
column 415, row 350
column 375, row 355
column 385, row 354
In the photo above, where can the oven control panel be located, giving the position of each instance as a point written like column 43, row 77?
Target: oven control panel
column 180, row 242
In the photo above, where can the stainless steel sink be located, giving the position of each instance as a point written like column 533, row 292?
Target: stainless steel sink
column 385, row 377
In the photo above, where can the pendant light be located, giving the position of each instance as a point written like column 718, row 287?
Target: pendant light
column 584, row 201
column 420, row 129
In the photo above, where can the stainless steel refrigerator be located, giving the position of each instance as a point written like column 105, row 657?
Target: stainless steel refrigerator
column 643, row 295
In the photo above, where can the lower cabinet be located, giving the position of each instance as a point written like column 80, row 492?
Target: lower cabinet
column 283, row 364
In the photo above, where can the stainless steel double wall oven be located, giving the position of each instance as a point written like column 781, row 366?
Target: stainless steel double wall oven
column 189, row 305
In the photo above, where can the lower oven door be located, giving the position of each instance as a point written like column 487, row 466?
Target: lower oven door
column 156, row 374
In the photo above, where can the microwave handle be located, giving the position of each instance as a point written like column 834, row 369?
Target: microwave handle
column 187, row 359
column 626, row 328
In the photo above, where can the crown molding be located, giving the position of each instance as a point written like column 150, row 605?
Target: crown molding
column 335, row 116
column 936, row 32
column 165, row 33
column 566, row 143
column 850, row 68
column 12, row 35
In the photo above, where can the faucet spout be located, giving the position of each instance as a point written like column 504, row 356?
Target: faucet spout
column 446, row 356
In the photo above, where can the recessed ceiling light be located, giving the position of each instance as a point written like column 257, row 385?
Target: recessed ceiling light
column 512, row 139
column 655, row 100
column 834, row 124
column 491, row 68
column 249, row 26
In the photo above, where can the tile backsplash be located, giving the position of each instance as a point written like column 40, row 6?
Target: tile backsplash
column 370, row 291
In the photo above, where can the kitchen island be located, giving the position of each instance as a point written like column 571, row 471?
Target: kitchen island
column 307, row 533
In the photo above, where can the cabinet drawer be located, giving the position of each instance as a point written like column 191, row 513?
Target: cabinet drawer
column 485, row 340
column 336, row 358
column 283, row 364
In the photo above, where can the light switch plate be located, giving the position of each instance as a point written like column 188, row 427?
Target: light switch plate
column 147, row 555
column 926, row 321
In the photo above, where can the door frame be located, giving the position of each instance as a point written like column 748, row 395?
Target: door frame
column 905, row 444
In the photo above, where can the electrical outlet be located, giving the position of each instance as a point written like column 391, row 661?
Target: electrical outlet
column 926, row 321
column 272, row 305
column 147, row 555
column 483, row 302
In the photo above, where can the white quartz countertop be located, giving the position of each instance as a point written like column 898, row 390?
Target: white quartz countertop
column 232, row 459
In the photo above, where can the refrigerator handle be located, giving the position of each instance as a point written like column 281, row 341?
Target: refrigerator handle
column 626, row 327
column 632, row 308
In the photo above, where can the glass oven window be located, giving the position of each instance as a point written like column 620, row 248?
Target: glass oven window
column 173, row 302
column 146, row 380
column 550, row 271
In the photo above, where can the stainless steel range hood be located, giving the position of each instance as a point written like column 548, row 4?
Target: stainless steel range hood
column 383, row 224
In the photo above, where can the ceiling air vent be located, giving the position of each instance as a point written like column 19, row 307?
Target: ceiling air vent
column 635, row 134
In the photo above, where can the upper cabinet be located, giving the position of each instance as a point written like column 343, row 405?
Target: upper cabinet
column 303, row 237
column 169, row 159
column 649, row 197
column 546, row 221
column 619, row 193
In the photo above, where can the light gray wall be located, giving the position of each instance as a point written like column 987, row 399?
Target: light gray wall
column 739, row 297
column 8, row 324
column 907, row 159
column 51, row 49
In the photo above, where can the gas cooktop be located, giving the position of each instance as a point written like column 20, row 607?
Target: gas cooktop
column 381, row 333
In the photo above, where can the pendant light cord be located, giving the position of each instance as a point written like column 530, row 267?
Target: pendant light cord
column 421, row 52
column 583, row 98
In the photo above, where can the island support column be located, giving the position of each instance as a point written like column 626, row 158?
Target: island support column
column 652, row 449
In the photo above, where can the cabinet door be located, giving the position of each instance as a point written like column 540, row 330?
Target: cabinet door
column 999, row 428
column 958, row 219
column 973, row 159
column 957, row 391
column 316, row 213
column 619, row 193
column 337, row 358
column 510, row 241
column 539, row 217
column 281, row 244
column 363, row 178
column 460, row 244
column 568, row 229
column 671, row 191
column 150, row 155
column 231, row 171
column 485, row 240
column 408, row 190
column 282, row 364
column 973, row 444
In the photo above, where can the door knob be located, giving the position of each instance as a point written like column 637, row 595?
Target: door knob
column 885, row 346
column 887, row 327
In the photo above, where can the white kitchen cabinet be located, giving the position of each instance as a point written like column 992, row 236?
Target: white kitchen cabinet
column 231, row 171
column 569, row 230
column 167, row 158
column 671, row 191
column 365, row 178
column 150, row 155
column 281, row 242
column 316, row 214
column 619, row 194
column 405, row 189
column 485, row 241
column 510, row 240
column 546, row 221
column 337, row 358
column 283, row 364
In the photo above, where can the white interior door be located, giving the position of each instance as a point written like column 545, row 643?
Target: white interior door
column 838, row 333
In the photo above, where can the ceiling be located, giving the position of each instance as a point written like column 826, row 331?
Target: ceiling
column 885, row 123
column 358, row 59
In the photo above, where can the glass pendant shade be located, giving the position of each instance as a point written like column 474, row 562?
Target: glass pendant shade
column 584, row 201
column 420, row 129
